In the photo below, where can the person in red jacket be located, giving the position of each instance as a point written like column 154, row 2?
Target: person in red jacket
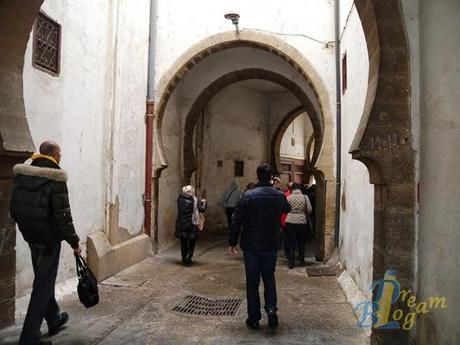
column 287, row 192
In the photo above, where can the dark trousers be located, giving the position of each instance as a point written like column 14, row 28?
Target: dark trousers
column 257, row 264
column 284, row 241
column 296, row 235
column 229, row 212
column 45, row 262
column 186, row 248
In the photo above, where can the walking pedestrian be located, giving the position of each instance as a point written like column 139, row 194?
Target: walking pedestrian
column 229, row 200
column 284, row 242
column 187, row 222
column 296, row 225
column 40, row 207
column 257, row 216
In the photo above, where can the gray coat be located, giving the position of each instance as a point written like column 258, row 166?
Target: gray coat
column 300, row 208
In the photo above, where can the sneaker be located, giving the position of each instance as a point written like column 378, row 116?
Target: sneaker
column 252, row 324
column 272, row 319
column 57, row 327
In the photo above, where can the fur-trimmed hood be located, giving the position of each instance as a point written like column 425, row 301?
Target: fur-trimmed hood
column 49, row 173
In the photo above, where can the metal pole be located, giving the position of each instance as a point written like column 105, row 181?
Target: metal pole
column 150, row 102
column 338, row 91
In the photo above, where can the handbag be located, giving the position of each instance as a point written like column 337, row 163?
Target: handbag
column 200, row 224
column 87, row 284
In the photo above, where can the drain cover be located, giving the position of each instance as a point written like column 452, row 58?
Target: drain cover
column 197, row 305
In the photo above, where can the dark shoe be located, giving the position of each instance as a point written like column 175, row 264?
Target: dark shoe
column 291, row 265
column 252, row 324
column 56, row 328
column 272, row 319
column 302, row 263
column 188, row 262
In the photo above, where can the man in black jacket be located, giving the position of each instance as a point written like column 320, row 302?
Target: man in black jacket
column 40, row 207
column 258, row 214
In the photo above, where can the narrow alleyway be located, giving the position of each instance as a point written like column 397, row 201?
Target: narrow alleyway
column 136, row 306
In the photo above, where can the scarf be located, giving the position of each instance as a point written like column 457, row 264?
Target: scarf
column 38, row 155
column 196, row 212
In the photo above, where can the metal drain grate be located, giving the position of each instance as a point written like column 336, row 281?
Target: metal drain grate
column 197, row 305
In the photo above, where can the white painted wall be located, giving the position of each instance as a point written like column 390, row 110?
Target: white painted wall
column 235, row 109
column 300, row 130
column 439, row 236
column 97, row 92
column 127, row 111
column 357, row 199
column 184, row 23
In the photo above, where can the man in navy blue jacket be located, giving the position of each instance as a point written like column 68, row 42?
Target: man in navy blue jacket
column 258, row 215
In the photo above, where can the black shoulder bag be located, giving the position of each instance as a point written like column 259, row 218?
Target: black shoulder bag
column 87, row 284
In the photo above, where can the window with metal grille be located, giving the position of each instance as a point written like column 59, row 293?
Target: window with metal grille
column 239, row 168
column 46, row 44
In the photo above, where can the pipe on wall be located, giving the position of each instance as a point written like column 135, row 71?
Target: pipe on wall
column 148, row 167
column 150, row 107
column 338, row 90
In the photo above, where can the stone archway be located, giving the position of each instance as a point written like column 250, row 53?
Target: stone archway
column 325, row 207
column 278, row 136
column 325, row 238
column 224, row 41
column 233, row 77
column 16, row 21
column 175, row 76
column 383, row 144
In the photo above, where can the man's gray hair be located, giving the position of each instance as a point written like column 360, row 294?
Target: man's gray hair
column 49, row 147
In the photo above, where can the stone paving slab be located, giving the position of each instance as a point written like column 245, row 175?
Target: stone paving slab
column 312, row 310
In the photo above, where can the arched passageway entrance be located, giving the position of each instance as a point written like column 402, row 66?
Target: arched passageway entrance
column 386, row 115
column 300, row 166
column 189, row 92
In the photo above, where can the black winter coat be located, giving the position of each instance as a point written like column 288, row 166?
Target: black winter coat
column 185, row 229
column 40, row 203
column 258, row 215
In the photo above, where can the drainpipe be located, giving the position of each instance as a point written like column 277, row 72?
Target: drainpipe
column 150, row 107
column 338, row 90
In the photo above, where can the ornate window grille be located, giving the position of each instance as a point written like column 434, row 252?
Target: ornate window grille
column 47, row 42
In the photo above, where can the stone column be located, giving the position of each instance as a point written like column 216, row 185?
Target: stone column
column 7, row 243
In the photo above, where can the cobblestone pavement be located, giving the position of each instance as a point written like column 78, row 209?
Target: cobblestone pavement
column 136, row 306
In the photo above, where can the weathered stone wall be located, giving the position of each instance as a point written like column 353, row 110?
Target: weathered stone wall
column 384, row 142
column 235, row 129
column 7, row 243
column 439, row 236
